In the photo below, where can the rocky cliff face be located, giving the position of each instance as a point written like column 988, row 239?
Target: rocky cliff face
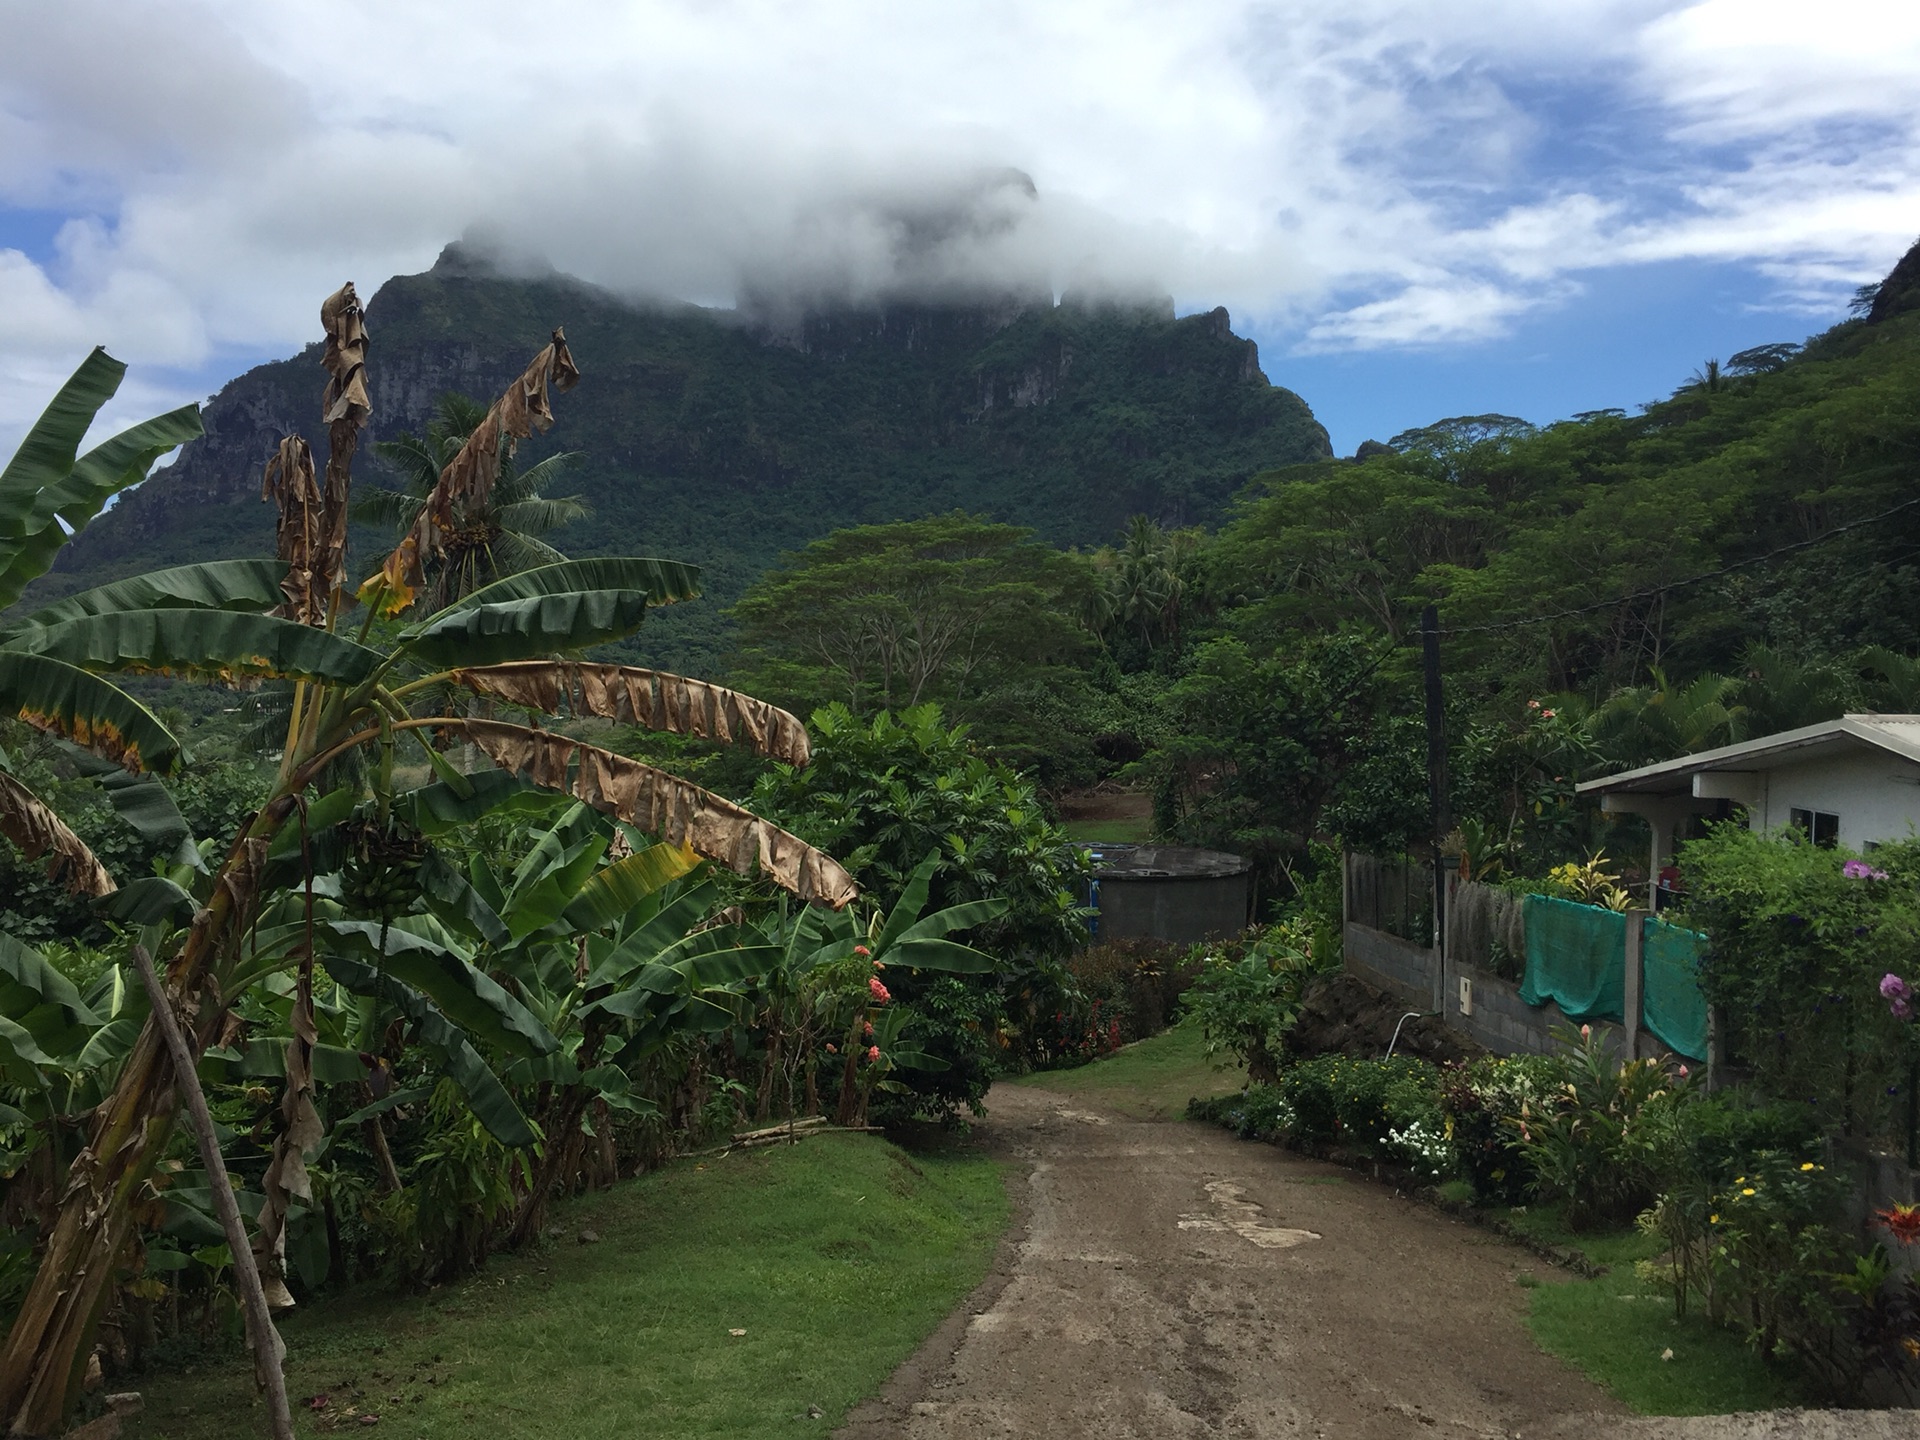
column 726, row 438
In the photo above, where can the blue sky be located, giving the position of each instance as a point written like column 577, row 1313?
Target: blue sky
column 1526, row 206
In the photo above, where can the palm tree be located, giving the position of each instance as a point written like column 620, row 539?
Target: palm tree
column 493, row 536
column 1644, row 724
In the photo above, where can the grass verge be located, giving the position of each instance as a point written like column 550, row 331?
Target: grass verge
column 836, row 1257
column 1150, row 1079
column 1617, row 1329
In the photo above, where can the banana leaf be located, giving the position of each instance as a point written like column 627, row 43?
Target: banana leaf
column 661, row 581
column 615, row 890
column 220, row 643
column 247, row 585
column 150, row 900
column 44, row 1003
column 518, row 629
column 459, row 1061
column 96, row 714
column 467, row 996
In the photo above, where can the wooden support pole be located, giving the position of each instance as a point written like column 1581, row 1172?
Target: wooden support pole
column 268, row 1352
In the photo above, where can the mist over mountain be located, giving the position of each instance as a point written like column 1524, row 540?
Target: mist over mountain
column 727, row 437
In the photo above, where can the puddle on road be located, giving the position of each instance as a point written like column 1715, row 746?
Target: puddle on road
column 1243, row 1217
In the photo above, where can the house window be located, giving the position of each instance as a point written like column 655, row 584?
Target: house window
column 1818, row 826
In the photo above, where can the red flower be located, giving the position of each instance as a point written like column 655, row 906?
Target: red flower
column 867, row 1030
column 873, row 1052
column 877, row 990
column 1902, row 1222
column 833, row 1049
column 861, row 950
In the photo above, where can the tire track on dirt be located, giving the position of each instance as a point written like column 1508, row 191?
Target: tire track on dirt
column 1166, row 1280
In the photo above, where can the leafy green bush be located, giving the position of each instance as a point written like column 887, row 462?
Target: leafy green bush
column 1360, row 1105
column 880, row 795
column 1800, row 939
column 1481, row 1101
column 1247, row 994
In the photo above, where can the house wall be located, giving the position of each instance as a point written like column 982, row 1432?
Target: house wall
column 1876, row 796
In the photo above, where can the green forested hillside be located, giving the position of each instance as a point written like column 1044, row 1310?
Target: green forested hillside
column 723, row 441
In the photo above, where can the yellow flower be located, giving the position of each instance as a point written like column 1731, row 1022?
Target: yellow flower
column 1713, row 1219
column 1747, row 1191
column 1807, row 1166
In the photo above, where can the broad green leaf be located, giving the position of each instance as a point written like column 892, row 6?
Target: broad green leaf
column 467, row 996
column 20, row 1054
column 96, row 714
column 68, row 505
column 252, row 586
column 941, row 955
column 266, row 1058
column 218, row 643
column 52, row 445
column 913, row 899
column 492, row 1105
column 393, row 1100
column 614, row 891
column 150, row 900
column 956, row 917
column 666, row 928
column 520, row 629
column 41, row 1001
column 437, row 808
column 661, row 581
column 143, row 803
column 453, row 898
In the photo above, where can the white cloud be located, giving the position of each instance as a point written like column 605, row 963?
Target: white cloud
column 1388, row 173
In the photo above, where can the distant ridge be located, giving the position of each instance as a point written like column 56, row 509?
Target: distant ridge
column 725, row 439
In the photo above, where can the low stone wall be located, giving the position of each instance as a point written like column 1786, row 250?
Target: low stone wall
column 1499, row 1019
column 1397, row 966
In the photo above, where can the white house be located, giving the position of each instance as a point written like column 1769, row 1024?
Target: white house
column 1854, row 781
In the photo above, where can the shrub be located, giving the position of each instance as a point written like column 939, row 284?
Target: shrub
column 1247, row 994
column 1588, row 1136
column 1139, row 982
column 1482, row 1101
column 1801, row 938
column 1359, row 1104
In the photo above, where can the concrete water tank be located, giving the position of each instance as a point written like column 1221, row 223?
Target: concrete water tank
column 1168, row 892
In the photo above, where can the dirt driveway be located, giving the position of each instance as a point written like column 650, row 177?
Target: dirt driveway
column 1167, row 1280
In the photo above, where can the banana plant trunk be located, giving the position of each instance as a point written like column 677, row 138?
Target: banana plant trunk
column 45, row 1357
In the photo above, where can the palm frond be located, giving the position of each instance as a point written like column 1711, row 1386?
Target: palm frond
column 376, row 505
column 537, row 516
column 515, row 484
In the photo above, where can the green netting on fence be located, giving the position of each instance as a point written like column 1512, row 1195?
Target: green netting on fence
column 1577, row 958
column 1671, row 1005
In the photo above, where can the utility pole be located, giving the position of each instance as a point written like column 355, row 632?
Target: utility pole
column 1437, row 814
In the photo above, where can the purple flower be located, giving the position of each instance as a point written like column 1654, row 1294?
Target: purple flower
column 1861, row 870
column 1898, row 995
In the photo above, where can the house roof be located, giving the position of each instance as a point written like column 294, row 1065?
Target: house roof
column 1895, row 734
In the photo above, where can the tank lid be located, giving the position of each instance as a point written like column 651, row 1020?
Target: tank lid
column 1164, row 862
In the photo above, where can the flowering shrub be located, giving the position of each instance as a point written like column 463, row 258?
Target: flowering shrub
column 1805, row 960
column 1480, row 1100
column 1586, row 1135
column 1357, row 1104
column 1424, row 1146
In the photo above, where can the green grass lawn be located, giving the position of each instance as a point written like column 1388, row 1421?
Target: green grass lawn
column 836, row 1256
column 1149, row 1079
column 1617, row 1328
column 1137, row 830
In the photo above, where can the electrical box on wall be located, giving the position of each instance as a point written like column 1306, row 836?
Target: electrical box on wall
column 1466, row 995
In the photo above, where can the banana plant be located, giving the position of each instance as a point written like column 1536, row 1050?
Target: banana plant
column 396, row 681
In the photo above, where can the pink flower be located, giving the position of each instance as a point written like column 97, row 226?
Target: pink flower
column 1533, row 704
column 1898, row 995
column 1684, row 1072
column 1861, row 870
column 867, row 1031
column 1546, row 714
column 861, row 950
column 832, row 1049
column 877, row 990
column 873, row 1052
column 1586, row 1032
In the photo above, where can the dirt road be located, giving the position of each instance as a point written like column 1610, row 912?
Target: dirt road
column 1167, row 1280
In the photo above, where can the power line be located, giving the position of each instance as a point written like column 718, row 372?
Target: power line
column 1654, row 590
